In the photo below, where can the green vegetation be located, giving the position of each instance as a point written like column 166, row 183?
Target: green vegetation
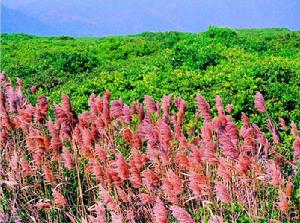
column 232, row 63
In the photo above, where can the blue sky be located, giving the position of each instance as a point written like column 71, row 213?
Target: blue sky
column 105, row 17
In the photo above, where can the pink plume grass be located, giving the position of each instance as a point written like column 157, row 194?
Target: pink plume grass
column 181, row 215
column 204, row 107
column 222, row 193
column 259, row 102
column 160, row 213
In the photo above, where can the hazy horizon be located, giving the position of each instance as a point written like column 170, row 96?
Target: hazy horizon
column 119, row 17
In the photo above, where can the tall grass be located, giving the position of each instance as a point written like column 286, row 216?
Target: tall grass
column 140, row 163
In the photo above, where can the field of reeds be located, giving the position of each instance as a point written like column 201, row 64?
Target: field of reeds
column 143, row 162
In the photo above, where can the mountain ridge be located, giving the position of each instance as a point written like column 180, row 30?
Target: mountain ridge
column 102, row 18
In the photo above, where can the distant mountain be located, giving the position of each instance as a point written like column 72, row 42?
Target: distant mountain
column 13, row 21
column 115, row 17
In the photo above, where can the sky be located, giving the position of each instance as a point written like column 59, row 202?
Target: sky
column 117, row 17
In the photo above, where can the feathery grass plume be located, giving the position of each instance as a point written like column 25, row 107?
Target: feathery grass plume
column 123, row 195
column 116, row 217
column 273, row 170
column 197, row 184
column 296, row 146
column 43, row 205
column 204, row 107
column 2, row 76
column 261, row 139
column 294, row 129
column 166, row 103
column 224, row 170
column 181, row 110
column 127, row 135
column 66, row 103
column 289, row 188
column 136, row 141
column 4, row 217
column 106, row 111
column 160, row 213
column 116, row 109
column 33, row 89
column 275, row 136
column 4, row 137
column 26, row 114
column 27, row 170
column 207, row 131
column 175, row 181
column 97, row 170
column 259, row 102
column 164, row 135
column 229, row 108
column 135, row 177
column 130, row 216
column 107, row 199
column 114, row 177
column 86, row 119
column 59, row 199
column 41, row 108
column 153, row 156
column 248, row 144
column 92, row 104
column 141, row 112
column 138, row 159
column 283, row 201
column 158, row 109
column 219, row 105
column 127, row 115
column 87, row 143
column 172, row 187
column 99, row 106
column 146, row 198
column 181, row 215
column 282, row 124
column 244, row 163
column 232, row 131
column 222, row 193
column 11, row 96
column 228, row 148
column 47, row 173
column 68, row 159
column 245, row 120
column 182, row 160
column 150, row 180
column 195, row 157
column 100, row 212
column 122, row 167
column 19, row 92
column 14, row 161
column 208, row 152
column 150, row 104
column 133, row 107
column 101, row 153
column 150, row 133
column 219, row 123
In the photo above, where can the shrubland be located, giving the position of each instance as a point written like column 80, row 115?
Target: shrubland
column 138, row 138
column 231, row 63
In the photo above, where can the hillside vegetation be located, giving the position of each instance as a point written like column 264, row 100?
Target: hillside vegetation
column 156, row 127
column 231, row 63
